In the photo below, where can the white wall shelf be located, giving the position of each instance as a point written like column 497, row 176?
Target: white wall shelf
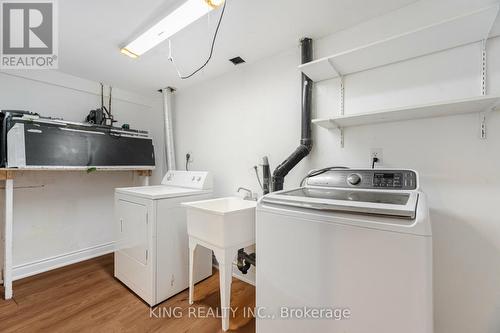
column 461, row 30
column 448, row 108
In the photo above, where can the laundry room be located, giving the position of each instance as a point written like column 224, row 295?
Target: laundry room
column 264, row 166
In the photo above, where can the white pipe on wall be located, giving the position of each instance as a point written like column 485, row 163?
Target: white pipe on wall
column 169, row 134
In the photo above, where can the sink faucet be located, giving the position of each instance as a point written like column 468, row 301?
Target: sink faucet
column 249, row 195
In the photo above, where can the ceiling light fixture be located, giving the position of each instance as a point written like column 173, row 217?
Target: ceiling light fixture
column 214, row 3
column 174, row 22
column 128, row 53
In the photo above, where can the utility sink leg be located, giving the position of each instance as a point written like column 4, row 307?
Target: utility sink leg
column 192, row 251
column 7, row 260
column 225, row 258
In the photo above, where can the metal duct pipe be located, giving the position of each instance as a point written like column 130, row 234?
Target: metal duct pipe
column 169, row 134
column 306, row 47
column 306, row 142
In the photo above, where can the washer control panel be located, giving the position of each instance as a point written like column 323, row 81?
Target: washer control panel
column 366, row 179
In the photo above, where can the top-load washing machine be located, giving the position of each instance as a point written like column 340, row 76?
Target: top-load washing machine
column 351, row 251
column 152, row 251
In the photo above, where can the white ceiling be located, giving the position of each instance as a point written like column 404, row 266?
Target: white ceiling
column 92, row 31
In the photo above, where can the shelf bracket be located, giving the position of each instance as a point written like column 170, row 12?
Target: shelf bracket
column 342, row 108
column 483, row 118
column 484, row 114
column 341, row 132
column 342, row 95
column 483, row 68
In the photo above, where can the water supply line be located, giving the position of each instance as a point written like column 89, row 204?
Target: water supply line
column 168, row 128
column 306, row 143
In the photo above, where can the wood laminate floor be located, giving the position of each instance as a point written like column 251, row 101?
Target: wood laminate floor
column 85, row 297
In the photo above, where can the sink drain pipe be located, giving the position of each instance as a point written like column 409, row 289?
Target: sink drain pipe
column 245, row 260
column 306, row 143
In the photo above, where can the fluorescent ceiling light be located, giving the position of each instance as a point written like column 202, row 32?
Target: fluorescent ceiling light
column 128, row 53
column 174, row 22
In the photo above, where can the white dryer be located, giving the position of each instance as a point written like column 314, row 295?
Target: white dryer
column 151, row 255
column 349, row 252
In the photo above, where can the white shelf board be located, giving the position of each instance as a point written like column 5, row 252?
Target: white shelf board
column 325, row 123
column 461, row 30
column 319, row 70
column 448, row 108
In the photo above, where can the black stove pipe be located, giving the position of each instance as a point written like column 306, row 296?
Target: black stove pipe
column 306, row 142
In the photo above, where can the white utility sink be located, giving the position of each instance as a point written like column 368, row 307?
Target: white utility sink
column 224, row 226
column 223, row 222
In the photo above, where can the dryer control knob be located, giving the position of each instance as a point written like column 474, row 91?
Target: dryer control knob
column 354, row 179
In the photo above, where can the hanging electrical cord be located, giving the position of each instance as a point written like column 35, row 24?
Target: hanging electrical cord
column 314, row 173
column 211, row 49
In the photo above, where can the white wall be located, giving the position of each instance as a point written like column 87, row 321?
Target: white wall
column 60, row 217
column 230, row 122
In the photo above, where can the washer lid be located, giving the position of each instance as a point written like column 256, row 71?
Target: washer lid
column 159, row 191
column 401, row 203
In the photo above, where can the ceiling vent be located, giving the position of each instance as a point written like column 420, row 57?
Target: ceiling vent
column 237, row 60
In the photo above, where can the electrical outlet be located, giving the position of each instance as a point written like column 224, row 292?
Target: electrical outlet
column 376, row 153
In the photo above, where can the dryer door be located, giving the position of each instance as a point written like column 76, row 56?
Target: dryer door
column 134, row 255
column 133, row 231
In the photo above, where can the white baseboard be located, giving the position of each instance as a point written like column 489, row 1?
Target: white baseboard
column 44, row 265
